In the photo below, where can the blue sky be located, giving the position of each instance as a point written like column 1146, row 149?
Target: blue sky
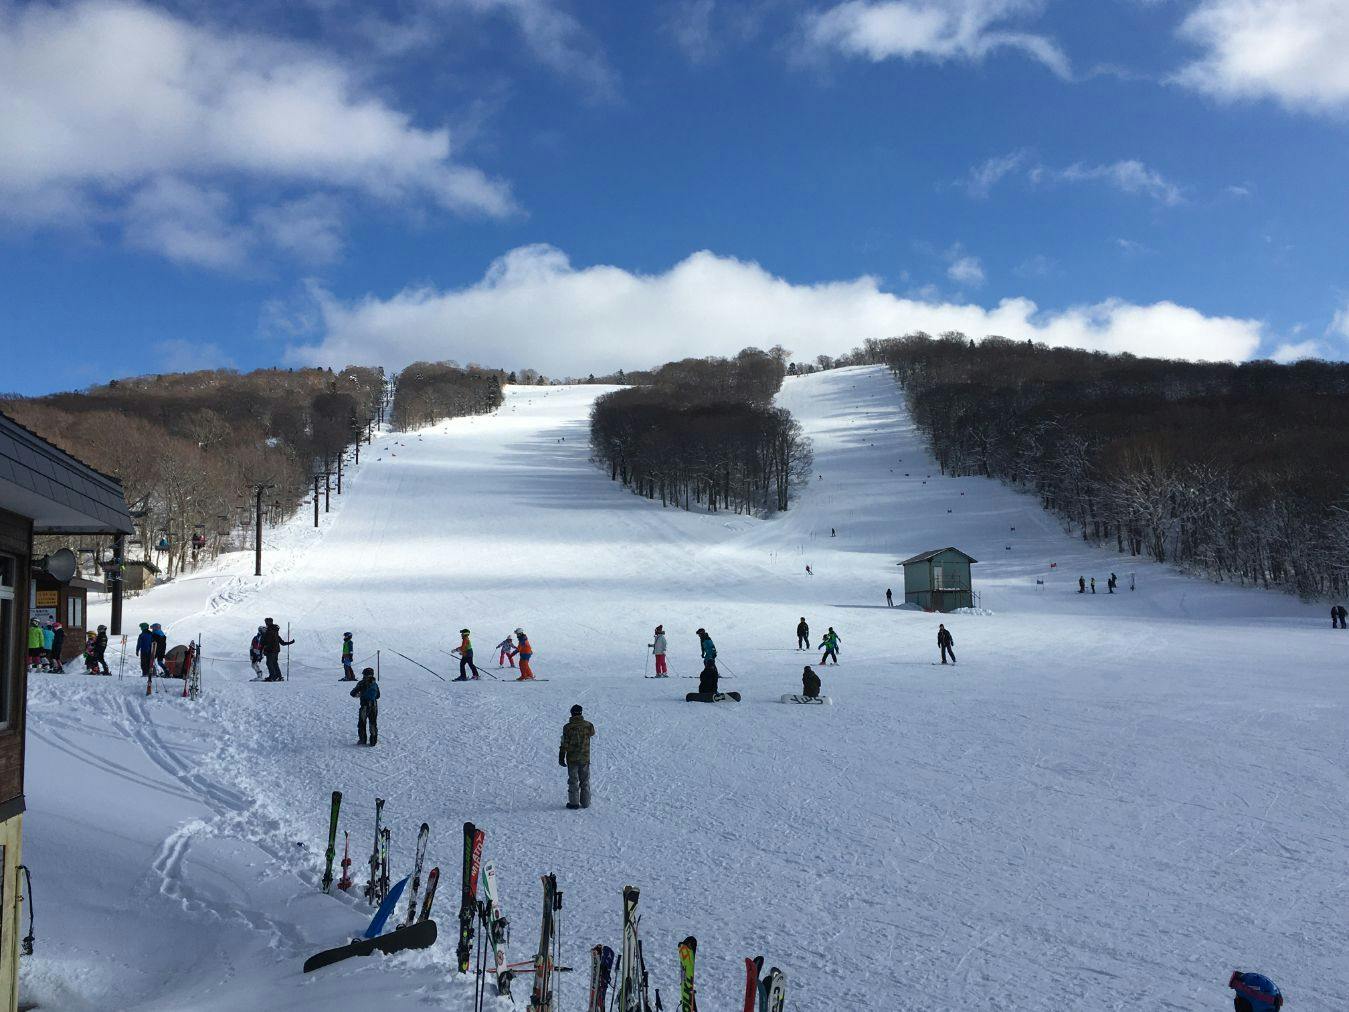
column 582, row 186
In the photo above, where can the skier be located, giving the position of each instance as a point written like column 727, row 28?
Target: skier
column 91, row 654
column 1081, row 584
column 1337, row 615
column 1255, row 992
column 946, row 643
column 145, row 649
column 506, row 653
column 810, row 683
column 1343, row 615
column 829, row 644
column 465, row 652
column 101, row 648
column 657, row 646
column 707, row 681
column 255, row 652
column 1093, row 584
column 58, row 645
column 574, row 754
column 271, row 649
column 809, row 571
column 889, row 598
column 368, row 691
column 161, row 643
column 34, row 643
column 348, row 652
column 48, row 638
column 1110, row 583
column 802, row 635
column 526, row 652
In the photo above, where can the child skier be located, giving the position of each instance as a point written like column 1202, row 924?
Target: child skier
column 829, row 644
column 657, row 646
column 526, row 652
column 348, row 652
column 91, row 653
column 506, row 653
column 255, row 652
column 368, row 691
column 161, row 643
column 34, row 643
column 574, row 754
column 101, row 648
column 465, row 652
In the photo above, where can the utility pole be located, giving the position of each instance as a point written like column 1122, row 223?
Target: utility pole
column 316, row 500
column 340, row 454
column 327, row 490
column 258, row 489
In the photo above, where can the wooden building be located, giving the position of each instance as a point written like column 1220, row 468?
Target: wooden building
column 939, row 580
column 66, row 602
column 43, row 490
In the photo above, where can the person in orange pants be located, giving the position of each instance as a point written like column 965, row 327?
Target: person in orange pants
column 526, row 652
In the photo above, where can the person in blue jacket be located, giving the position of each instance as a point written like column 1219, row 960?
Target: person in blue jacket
column 145, row 649
column 367, row 689
column 707, row 681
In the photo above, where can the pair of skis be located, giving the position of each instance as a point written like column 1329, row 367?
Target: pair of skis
column 764, row 993
column 543, row 998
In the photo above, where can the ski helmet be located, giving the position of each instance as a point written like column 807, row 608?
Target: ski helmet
column 262, row 628
column 463, row 632
column 346, row 636
column 1255, row 992
column 519, row 632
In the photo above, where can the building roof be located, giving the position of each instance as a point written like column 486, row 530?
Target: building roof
column 60, row 494
column 936, row 551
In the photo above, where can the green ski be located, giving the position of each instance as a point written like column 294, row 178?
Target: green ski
column 332, row 841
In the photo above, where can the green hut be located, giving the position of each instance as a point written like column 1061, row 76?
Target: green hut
column 939, row 580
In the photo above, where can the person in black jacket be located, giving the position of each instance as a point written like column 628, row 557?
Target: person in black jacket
column 810, row 684
column 271, row 649
column 161, row 646
column 101, row 648
column 946, row 643
column 58, row 645
column 802, row 635
column 1337, row 615
column 368, row 691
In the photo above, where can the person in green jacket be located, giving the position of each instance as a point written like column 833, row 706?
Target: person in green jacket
column 34, row 643
column 348, row 651
column 574, row 754
column 830, row 646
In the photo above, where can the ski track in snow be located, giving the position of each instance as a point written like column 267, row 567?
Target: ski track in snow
column 1111, row 802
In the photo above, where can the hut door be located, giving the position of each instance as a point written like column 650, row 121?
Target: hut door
column 936, row 578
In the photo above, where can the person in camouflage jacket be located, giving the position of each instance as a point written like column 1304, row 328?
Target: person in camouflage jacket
column 574, row 754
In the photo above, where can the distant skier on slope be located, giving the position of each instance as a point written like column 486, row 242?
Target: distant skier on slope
column 526, row 652
column 829, row 644
column 810, row 683
column 574, row 754
column 802, row 635
column 255, row 651
column 348, row 653
column 1254, row 992
column 506, row 653
column 707, row 681
column 1337, row 616
column 465, row 652
column 889, row 598
column 367, row 689
column 657, row 646
column 946, row 643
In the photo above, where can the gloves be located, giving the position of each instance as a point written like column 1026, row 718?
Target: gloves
column 562, row 759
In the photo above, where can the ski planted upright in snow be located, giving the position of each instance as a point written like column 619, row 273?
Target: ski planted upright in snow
column 772, row 991
column 417, row 862
column 498, row 928
column 372, row 886
column 432, row 881
column 753, row 967
column 541, row 998
column 468, row 905
column 629, row 995
column 331, row 852
column 688, row 951
column 344, row 883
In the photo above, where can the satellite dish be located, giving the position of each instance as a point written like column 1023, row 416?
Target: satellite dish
column 61, row 565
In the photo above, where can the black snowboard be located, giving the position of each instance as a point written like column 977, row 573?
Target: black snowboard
column 421, row 935
column 711, row 697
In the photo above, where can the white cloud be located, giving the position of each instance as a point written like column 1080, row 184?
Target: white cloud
column 309, row 227
column 1303, row 349
column 1339, row 324
column 937, row 30
column 534, row 308
column 187, row 224
column 1129, row 176
column 983, row 178
column 966, row 270
column 180, row 355
column 690, row 25
column 1290, row 50
column 555, row 37
column 112, row 106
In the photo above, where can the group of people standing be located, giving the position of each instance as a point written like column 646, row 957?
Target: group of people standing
column 507, row 651
column 829, row 643
column 1110, row 584
column 45, row 643
column 266, row 648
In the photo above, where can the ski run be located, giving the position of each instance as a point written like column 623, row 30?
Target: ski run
column 1110, row 802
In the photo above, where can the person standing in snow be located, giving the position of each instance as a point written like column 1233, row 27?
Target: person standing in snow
column 1337, row 615
column 810, row 683
column 829, row 644
column 465, row 652
column 48, row 638
column 802, row 635
column 657, row 646
column 367, row 690
column 946, row 643
column 145, row 650
column 255, row 652
column 91, row 654
column 58, row 645
column 526, row 652
column 574, row 754
column 707, row 681
column 161, row 648
column 1081, row 584
column 1093, row 584
column 1343, row 615
column 889, row 598
column 506, row 653
column 1112, row 583
column 101, row 649
column 271, row 649
column 348, row 653
column 34, row 643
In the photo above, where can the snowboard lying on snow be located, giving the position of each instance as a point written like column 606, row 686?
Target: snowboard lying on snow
column 712, row 697
column 815, row 701
column 421, row 935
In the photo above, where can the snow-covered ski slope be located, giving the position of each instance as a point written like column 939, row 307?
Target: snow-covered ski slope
column 1111, row 802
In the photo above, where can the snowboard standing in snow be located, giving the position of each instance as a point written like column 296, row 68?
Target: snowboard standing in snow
column 331, row 852
column 688, row 952
column 473, row 839
column 712, row 697
column 422, row 835
column 421, row 935
column 386, row 909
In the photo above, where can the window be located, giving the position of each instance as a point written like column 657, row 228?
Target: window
column 9, row 567
column 75, row 611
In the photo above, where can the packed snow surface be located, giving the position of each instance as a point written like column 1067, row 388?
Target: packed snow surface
column 1110, row 803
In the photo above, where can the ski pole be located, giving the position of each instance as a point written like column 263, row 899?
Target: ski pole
column 418, row 663
column 647, row 666
column 288, row 652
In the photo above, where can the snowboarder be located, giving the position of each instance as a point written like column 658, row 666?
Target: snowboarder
column 58, row 645
column 946, row 643
column 367, row 689
column 1081, row 584
column 889, row 598
column 506, row 653
column 802, row 635
column 161, row 642
column 1255, row 992
column 348, row 652
column 101, row 648
column 526, row 652
column 707, row 681
column 810, row 683
column 145, row 649
column 271, row 649
column 657, row 646
column 574, row 754
column 829, row 644
column 255, row 652
column 465, row 652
